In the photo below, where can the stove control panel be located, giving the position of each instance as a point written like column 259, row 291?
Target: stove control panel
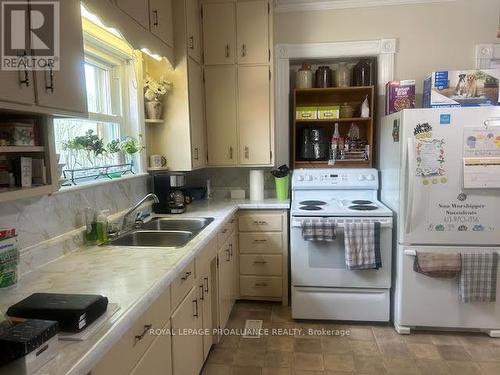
column 335, row 178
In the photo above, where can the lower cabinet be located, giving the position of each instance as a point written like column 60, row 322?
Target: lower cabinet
column 187, row 346
column 225, row 281
column 206, row 297
column 158, row 358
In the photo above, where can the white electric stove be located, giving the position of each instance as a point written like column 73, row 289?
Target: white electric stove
column 322, row 286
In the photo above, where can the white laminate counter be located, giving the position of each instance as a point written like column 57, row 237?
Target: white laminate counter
column 131, row 277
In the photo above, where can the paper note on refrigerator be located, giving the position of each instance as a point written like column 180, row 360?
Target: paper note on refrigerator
column 482, row 142
column 481, row 173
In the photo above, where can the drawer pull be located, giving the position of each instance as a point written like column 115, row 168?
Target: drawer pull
column 260, row 285
column 259, row 241
column 259, row 222
column 231, row 250
column 228, row 255
column 186, row 276
column 138, row 338
column 202, row 295
column 206, row 284
column 260, row 262
column 195, row 314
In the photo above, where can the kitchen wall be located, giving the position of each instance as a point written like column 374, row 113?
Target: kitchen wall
column 43, row 218
column 430, row 36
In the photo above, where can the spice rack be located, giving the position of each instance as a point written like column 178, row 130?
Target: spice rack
column 333, row 96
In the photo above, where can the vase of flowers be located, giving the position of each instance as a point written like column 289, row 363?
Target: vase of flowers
column 154, row 90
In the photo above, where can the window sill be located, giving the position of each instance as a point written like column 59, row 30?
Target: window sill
column 92, row 184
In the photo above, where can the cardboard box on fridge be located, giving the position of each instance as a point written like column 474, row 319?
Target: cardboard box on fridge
column 462, row 88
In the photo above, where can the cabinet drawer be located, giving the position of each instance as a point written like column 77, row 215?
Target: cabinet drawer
column 226, row 231
column 261, row 243
column 125, row 354
column 260, row 223
column 260, row 286
column 271, row 265
column 205, row 256
column 182, row 284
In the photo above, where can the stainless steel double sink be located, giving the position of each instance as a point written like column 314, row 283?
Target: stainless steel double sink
column 163, row 232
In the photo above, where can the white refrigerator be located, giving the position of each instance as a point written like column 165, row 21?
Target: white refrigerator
column 440, row 174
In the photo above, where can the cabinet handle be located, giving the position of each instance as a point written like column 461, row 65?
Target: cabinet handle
column 186, row 276
column 196, row 153
column 191, row 42
column 227, row 51
column 231, row 250
column 224, row 231
column 26, row 80
column 195, row 314
column 138, row 338
column 247, row 152
column 243, row 50
column 259, row 241
column 231, row 152
column 259, row 222
column 228, row 255
column 260, row 285
column 206, row 284
column 155, row 18
column 50, row 86
column 202, row 296
column 260, row 262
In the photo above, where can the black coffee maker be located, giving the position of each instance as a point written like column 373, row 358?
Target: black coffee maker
column 169, row 189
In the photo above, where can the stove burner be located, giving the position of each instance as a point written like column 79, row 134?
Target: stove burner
column 310, row 208
column 313, row 203
column 361, row 207
column 358, row 202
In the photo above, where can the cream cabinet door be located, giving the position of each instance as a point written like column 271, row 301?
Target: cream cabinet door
column 254, row 115
column 160, row 20
column 187, row 316
column 193, row 12
column 137, row 9
column 197, row 114
column 219, row 33
column 17, row 86
column 158, row 358
column 235, row 274
column 64, row 89
column 252, row 32
column 220, row 99
column 205, row 291
column 225, row 281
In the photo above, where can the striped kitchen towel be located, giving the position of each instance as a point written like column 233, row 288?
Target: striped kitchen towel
column 319, row 230
column 362, row 246
column 478, row 278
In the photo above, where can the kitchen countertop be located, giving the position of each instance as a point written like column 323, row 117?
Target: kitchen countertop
column 131, row 277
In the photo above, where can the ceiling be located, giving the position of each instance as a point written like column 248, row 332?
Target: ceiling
column 304, row 5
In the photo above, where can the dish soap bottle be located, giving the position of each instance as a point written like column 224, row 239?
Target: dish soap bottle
column 102, row 227
column 90, row 222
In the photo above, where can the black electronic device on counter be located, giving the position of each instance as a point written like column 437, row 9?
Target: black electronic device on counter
column 73, row 312
column 169, row 187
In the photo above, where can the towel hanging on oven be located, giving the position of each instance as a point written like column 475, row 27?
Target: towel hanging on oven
column 319, row 230
column 362, row 246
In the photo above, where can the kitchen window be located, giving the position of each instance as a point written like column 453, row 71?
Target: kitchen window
column 93, row 148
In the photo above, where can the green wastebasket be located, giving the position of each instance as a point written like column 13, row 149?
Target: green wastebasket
column 282, row 187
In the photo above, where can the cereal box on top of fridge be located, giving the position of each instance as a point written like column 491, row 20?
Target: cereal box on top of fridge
column 399, row 95
column 462, row 88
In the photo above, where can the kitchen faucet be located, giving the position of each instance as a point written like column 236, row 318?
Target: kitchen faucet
column 150, row 195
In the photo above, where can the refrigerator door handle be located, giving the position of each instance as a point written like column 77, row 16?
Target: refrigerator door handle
column 411, row 185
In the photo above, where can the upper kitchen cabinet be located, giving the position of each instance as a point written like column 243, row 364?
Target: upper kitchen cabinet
column 64, row 89
column 221, row 91
column 252, row 30
column 160, row 20
column 193, row 14
column 253, row 115
column 137, row 9
column 219, row 33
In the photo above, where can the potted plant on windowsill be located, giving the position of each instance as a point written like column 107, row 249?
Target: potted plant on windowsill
column 153, row 91
column 131, row 146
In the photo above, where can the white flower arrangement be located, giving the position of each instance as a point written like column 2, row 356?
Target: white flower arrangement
column 154, row 90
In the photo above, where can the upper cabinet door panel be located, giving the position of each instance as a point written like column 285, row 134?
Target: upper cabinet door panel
column 160, row 20
column 17, row 86
column 253, row 32
column 137, row 9
column 254, row 115
column 64, row 89
column 193, row 11
column 219, row 33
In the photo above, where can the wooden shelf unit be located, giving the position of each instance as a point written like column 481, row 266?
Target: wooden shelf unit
column 21, row 149
column 327, row 97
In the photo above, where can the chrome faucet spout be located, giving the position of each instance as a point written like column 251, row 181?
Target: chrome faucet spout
column 131, row 210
